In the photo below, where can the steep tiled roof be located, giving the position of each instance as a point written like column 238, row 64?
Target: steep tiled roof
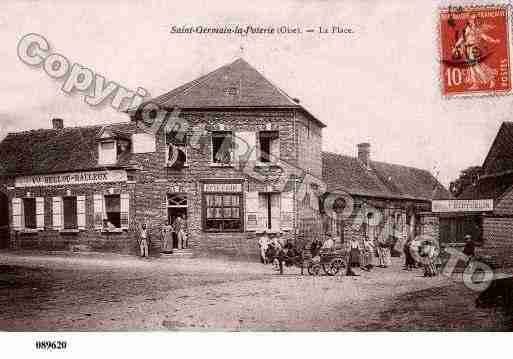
column 50, row 150
column 488, row 187
column 235, row 85
column 382, row 180
column 500, row 155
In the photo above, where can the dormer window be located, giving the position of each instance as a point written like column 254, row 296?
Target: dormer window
column 107, row 152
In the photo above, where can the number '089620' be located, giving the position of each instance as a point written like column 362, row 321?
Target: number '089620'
column 51, row 345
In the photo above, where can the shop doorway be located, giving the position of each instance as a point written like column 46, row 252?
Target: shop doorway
column 177, row 207
column 4, row 220
column 454, row 228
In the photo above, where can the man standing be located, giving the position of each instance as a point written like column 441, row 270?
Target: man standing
column 143, row 240
column 263, row 244
column 179, row 227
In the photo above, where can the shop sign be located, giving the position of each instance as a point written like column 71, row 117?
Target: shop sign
column 71, row 178
column 222, row 187
column 465, row 205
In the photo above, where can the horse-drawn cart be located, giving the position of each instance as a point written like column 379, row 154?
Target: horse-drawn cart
column 331, row 261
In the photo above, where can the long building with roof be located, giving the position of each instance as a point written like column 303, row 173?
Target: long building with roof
column 241, row 158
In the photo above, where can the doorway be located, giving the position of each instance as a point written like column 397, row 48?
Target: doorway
column 4, row 220
column 177, row 207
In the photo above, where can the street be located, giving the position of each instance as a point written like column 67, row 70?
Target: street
column 109, row 292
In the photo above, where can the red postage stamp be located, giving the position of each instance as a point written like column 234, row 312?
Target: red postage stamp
column 475, row 50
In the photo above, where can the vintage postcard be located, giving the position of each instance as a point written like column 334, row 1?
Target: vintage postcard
column 296, row 166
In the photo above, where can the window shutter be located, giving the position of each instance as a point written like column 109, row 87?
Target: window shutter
column 275, row 211
column 40, row 213
column 57, row 213
column 98, row 211
column 262, row 212
column 251, row 211
column 245, row 146
column 287, row 211
column 16, row 214
column 124, row 197
column 81, row 217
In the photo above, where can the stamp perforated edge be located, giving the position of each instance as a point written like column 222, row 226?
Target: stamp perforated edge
column 444, row 6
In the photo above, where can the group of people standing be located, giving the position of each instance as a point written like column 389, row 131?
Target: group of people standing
column 367, row 255
column 175, row 232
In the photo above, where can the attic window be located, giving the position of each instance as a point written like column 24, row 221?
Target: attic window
column 108, row 152
column 231, row 91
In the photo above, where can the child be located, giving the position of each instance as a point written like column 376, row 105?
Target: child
column 143, row 240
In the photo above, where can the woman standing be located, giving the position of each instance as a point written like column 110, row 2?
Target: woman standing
column 368, row 254
column 383, row 253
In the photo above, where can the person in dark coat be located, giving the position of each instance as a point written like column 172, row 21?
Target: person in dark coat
column 470, row 247
column 409, row 261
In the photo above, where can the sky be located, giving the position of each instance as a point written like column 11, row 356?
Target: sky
column 379, row 84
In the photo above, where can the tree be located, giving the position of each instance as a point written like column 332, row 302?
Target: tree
column 467, row 177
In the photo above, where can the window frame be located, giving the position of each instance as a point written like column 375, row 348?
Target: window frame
column 106, row 213
column 183, row 146
column 24, row 212
column 75, row 213
column 240, row 195
column 101, row 156
column 213, row 160
column 270, row 136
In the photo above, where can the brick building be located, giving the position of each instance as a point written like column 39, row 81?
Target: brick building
column 230, row 151
column 256, row 157
column 399, row 196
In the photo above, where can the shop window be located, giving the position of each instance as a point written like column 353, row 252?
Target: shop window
column 222, row 147
column 107, row 152
column 269, row 144
column 176, row 150
column 69, row 209
column 222, row 204
column 29, row 213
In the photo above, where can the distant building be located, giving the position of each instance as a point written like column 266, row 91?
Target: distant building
column 400, row 195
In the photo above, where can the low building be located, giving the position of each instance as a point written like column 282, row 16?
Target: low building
column 400, row 196
column 256, row 151
column 485, row 208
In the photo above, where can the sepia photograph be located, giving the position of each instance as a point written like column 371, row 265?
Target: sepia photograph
column 172, row 168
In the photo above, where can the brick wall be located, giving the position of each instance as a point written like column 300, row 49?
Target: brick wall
column 86, row 240
column 309, row 145
column 497, row 241
column 152, row 180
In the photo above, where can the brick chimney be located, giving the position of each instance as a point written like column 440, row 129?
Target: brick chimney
column 364, row 153
column 57, row 123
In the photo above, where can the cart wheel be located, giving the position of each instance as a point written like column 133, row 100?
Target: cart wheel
column 314, row 269
column 333, row 267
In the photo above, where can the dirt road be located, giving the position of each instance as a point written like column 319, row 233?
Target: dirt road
column 111, row 292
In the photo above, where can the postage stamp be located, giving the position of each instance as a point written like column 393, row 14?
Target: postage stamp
column 475, row 50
